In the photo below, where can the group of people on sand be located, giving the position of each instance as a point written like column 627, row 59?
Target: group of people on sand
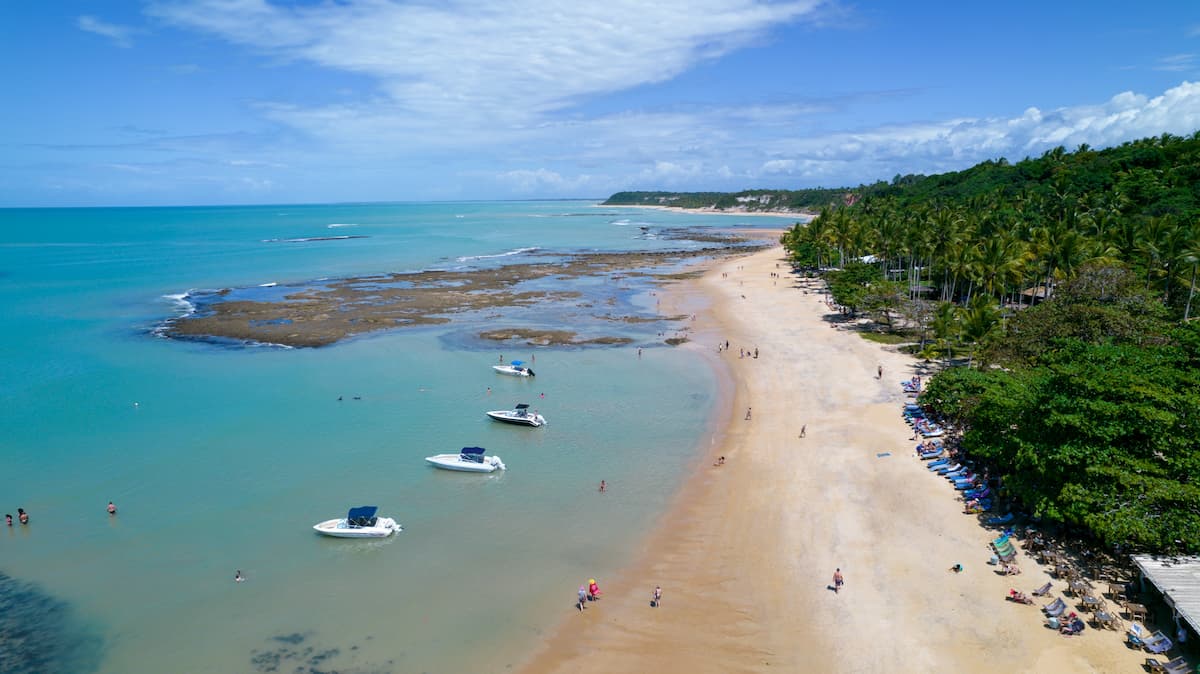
column 589, row 592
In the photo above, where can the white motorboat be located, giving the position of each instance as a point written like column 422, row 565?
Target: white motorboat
column 469, row 460
column 518, row 415
column 359, row 523
column 516, row 369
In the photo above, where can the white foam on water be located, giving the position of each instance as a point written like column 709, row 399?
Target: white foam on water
column 517, row 251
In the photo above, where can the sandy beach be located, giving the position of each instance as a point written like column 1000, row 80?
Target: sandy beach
column 746, row 555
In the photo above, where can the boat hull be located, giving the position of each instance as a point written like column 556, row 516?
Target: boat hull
column 520, row 420
column 453, row 462
column 337, row 528
column 512, row 371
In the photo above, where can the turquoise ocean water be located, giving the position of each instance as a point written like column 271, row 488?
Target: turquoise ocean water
column 231, row 454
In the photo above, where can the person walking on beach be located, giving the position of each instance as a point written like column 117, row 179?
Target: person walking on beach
column 112, row 509
column 879, row 372
column 838, row 581
column 747, row 414
column 803, row 430
column 582, row 598
column 657, row 596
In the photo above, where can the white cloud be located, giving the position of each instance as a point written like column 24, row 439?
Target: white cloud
column 1177, row 63
column 478, row 63
column 254, row 163
column 958, row 143
column 543, row 181
column 120, row 35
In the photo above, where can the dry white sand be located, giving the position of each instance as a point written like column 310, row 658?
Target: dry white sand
column 747, row 552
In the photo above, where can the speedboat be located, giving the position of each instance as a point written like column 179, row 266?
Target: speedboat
column 469, row 460
column 518, row 415
column 360, row 522
column 516, row 369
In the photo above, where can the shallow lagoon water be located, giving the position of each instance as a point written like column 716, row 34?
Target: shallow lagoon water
column 231, row 454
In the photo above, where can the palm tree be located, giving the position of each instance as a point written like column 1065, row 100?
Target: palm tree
column 980, row 322
column 1000, row 259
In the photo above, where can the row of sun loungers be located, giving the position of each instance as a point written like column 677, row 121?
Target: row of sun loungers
column 978, row 498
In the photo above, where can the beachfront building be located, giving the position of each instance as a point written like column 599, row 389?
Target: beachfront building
column 1177, row 579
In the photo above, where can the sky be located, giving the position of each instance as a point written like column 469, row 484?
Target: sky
column 184, row 102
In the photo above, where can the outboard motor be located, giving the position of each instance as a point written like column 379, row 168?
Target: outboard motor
column 531, row 372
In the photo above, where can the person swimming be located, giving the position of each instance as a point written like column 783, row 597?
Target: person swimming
column 112, row 509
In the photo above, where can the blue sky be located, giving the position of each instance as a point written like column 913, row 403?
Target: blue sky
column 257, row 101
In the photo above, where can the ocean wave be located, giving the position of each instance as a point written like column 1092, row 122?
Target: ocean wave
column 315, row 238
column 272, row 284
column 342, row 224
column 626, row 222
column 518, row 251
column 182, row 302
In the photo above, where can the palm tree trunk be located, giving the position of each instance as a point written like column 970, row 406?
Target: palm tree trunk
column 1187, row 312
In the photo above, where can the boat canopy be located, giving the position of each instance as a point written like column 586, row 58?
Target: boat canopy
column 517, row 363
column 362, row 516
column 522, row 406
column 474, row 454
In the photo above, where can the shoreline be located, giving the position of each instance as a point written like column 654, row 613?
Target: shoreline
column 746, row 551
column 803, row 215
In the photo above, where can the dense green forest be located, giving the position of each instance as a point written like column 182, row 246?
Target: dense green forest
column 795, row 201
column 1062, row 285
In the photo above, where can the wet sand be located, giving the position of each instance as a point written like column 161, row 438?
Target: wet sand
column 746, row 555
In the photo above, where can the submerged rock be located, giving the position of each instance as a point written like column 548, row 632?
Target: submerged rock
column 40, row 635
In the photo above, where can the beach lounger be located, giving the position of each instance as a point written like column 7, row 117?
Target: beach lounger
column 1137, row 635
column 934, row 465
column 1055, row 608
column 1159, row 643
column 1042, row 591
column 948, row 469
column 926, row 456
column 978, row 493
column 1004, row 519
column 1177, row 666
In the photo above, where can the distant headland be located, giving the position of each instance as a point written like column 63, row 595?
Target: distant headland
column 802, row 203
